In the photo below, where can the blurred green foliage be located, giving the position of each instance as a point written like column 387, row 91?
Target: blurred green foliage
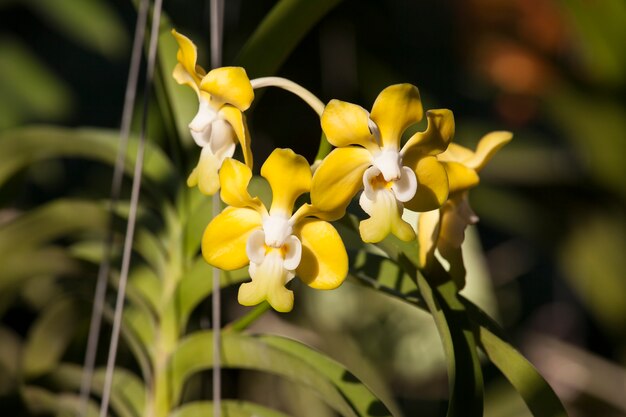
column 552, row 204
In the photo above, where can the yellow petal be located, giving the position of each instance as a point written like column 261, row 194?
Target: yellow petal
column 229, row 85
column 324, row 262
column 289, row 176
column 396, row 108
column 487, row 148
column 206, row 175
column 338, row 178
column 437, row 136
column 460, row 177
column 187, row 55
column 238, row 121
column 224, row 239
column 432, row 183
column 385, row 217
column 234, row 179
column 347, row 124
column 427, row 234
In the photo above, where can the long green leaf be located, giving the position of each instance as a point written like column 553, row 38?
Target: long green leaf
column 230, row 408
column 535, row 391
column 364, row 401
column 127, row 393
column 464, row 370
column 268, row 47
column 48, row 338
column 195, row 353
column 197, row 284
column 22, row 147
column 92, row 23
column 41, row 401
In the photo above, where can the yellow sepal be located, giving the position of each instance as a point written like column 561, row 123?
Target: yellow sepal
column 289, row 176
column 238, row 122
column 396, row 108
column 347, row 124
column 229, row 85
column 432, row 183
column 224, row 239
column 324, row 263
column 234, row 179
column 338, row 178
column 437, row 136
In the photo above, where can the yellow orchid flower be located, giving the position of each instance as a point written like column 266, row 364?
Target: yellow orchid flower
column 223, row 95
column 368, row 155
column 444, row 229
column 277, row 244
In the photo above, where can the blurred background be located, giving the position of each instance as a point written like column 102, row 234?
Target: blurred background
column 548, row 256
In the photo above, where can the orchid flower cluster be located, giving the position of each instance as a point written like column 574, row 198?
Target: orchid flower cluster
column 428, row 174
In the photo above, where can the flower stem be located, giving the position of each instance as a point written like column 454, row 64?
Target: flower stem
column 245, row 321
column 310, row 99
column 316, row 104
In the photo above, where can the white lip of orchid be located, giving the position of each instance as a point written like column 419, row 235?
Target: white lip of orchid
column 400, row 179
column 389, row 163
column 277, row 241
column 277, row 229
column 200, row 126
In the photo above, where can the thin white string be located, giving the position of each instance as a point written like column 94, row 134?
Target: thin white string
column 134, row 200
column 217, row 21
column 116, row 185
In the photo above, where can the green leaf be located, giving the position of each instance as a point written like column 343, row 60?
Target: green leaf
column 49, row 337
column 92, row 23
column 229, row 408
column 537, row 394
column 22, row 147
column 41, row 401
column 464, row 371
column 10, row 351
column 197, row 284
column 362, row 399
column 127, row 391
column 59, row 218
column 29, row 88
column 268, row 47
column 195, row 353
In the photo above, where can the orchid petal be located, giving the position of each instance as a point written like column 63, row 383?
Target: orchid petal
column 186, row 71
column 255, row 246
column 268, row 283
column 205, row 174
column 406, row 186
column 432, row 183
column 229, row 85
column 201, row 126
column 437, row 136
column 396, row 108
column 385, row 217
column 456, row 215
column 289, row 176
column 324, row 263
column 487, row 148
column 293, row 253
column 225, row 238
column 427, row 234
column 338, row 179
column 234, row 179
column 238, row 122
column 347, row 124
column 460, row 177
